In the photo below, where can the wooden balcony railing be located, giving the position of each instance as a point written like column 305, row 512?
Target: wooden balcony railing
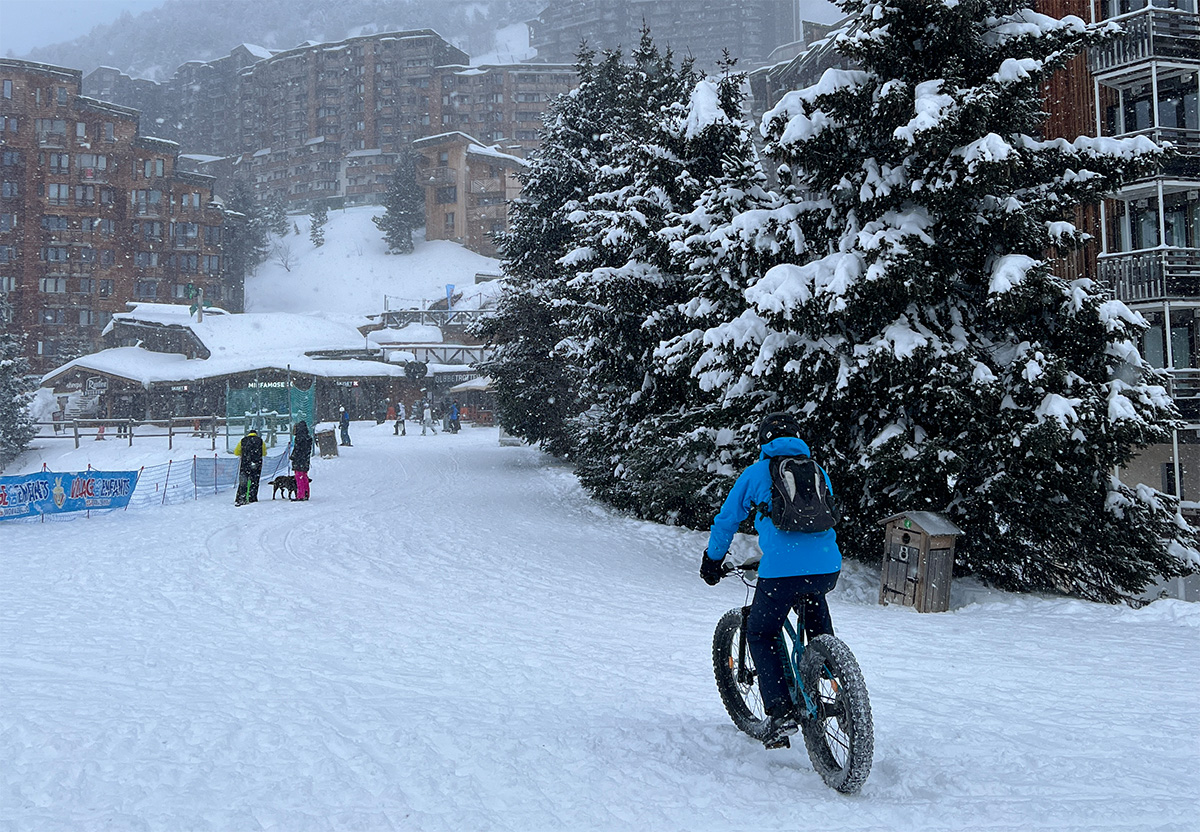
column 1148, row 34
column 1152, row 274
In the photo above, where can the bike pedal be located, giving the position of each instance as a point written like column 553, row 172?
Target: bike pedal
column 781, row 742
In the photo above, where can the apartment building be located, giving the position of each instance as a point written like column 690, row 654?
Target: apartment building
column 500, row 104
column 93, row 214
column 703, row 29
column 467, row 188
column 1147, row 83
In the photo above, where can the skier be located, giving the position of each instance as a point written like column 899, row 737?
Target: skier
column 427, row 420
column 797, row 568
column 398, row 428
column 455, row 425
column 250, row 449
column 344, row 424
column 302, row 445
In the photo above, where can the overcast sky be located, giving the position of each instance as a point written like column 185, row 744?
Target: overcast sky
column 25, row 24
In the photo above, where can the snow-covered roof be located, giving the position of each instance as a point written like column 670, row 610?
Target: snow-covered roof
column 273, row 336
column 473, row 386
column 930, row 522
column 409, row 334
column 147, row 368
column 257, row 51
column 494, row 153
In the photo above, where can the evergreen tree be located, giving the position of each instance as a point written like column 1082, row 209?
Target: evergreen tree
column 943, row 363
column 404, row 207
column 536, row 385
column 245, row 236
column 275, row 215
column 316, row 231
column 16, row 393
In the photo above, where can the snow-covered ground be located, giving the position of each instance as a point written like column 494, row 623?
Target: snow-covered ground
column 348, row 277
column 451, row 636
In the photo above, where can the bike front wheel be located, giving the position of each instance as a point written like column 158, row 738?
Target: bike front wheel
column 737, row 680
column 840, row 736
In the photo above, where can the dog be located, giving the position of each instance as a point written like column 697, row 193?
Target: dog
column 286, row 484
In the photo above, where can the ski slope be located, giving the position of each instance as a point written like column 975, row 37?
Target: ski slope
column 451, row 636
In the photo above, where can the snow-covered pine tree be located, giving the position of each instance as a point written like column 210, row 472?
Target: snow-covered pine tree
column 623, row 298
column 404, row 207
column 245, row 243
column 318, row 216
column 941, row 361
column 275, row 214
column 685, row 453
column 16, row 392
column 536, row 386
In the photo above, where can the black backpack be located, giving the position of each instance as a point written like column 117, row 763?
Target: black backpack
column 800, row 498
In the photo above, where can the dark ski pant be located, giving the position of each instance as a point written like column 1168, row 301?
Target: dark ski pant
column 773, row 599
column 345, row 434
column 247, row 491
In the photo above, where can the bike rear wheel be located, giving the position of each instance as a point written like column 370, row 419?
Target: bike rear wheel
column 737, row 682
column 840, row 736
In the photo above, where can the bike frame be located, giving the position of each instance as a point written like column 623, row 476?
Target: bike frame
column 793, row 642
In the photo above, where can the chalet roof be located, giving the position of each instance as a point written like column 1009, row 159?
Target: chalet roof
column 930, row 522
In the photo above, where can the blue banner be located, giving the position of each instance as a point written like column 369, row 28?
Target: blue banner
column 50, row 493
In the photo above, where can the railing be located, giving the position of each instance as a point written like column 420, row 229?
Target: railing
column 1185, row 143
column 1183, row 383
column 487, row 186
column 1148, row 33
column 1152, row 274
column 398, row 318
column 441, row 176
column 78, row 429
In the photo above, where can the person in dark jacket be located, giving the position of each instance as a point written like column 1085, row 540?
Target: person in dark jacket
column 250, row 449
column 797, row 568
column 344, row 424
column 302, row 445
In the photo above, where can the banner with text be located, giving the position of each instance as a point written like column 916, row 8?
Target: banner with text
column 53, row 493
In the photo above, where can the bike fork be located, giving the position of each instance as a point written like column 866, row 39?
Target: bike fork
column 745, row 676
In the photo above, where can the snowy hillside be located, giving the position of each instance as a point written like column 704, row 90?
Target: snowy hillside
column 347, row 278
column 451, row 636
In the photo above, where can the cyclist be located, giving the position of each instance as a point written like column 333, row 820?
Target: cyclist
column 797, row 568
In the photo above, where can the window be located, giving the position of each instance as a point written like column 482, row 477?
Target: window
column 188, row 263
column 449, row 194
column 8, row 254
column 7, row 88
column 62, row 95
column 86, row 285
column 212, row 264
column 9, row 189
column 145, row 259
column 185, row 232
column 51, row 222
column 58, row 194
column 145, row 289
column 108, row 133
column 53, row 316
column 60, row 162
column 81, row 129
column 87, row 255
column 85, row 194
column 8, row 222
column 8, row 123
column 50, row 126
column 106, row 196
column 150, row 229
column 7, row 283
column 152, row 167
column 107, row 257
column 87, row 317
column 212, row 235
column 449, row 222
column 55, row 254
column 53, row 285
column 147, row 201
column 10, row 157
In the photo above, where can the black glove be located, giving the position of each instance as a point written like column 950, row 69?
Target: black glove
column 712, row 571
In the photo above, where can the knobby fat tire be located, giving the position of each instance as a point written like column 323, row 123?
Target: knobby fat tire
column 828, row 657
column 725, row 647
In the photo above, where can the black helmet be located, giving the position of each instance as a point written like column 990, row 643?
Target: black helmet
column 775, row 425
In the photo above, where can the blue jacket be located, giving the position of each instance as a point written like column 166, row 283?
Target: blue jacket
column 784, row 553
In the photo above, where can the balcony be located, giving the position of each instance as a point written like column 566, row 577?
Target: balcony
column 487, row 186
column 441, row 176
column 1149, row 34
column 1152, row 274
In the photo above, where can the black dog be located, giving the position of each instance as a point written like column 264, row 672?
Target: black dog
column 286, row 484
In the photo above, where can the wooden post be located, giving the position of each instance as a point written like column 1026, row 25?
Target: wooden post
column 75, row 425
column 170, row 433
